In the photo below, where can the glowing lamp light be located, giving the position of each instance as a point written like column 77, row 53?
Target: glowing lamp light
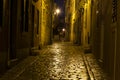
column 63, row 29
column 57, row 11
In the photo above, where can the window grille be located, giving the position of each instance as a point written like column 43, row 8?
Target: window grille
column 1, row 12
column 114, row 11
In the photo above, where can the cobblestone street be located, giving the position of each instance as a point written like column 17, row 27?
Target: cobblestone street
column 60, row 61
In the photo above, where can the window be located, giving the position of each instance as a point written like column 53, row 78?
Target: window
column 26, row 15
column 114, row 11
column 1, row 12
column 22, row 16
column 37, row 21
column 33, row 14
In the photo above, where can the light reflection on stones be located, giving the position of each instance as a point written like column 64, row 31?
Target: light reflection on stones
column 59, row 61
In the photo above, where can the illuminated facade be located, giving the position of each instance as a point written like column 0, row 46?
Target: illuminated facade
column 78, row 18
column 94, row 25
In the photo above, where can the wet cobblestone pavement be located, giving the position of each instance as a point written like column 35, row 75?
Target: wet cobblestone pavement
column 60, row 61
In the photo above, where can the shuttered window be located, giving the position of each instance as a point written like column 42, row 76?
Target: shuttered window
column 114, row 10
column 1, row 12
column 37, row 21
column 24, row 15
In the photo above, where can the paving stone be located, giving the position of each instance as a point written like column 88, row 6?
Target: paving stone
column 60, row 61
column 95, row 68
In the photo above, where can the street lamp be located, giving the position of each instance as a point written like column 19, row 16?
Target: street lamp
column 63, row 29
column 57, row 11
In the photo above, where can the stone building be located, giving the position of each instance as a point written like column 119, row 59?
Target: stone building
column 25, row 25
column 94, row 24
column 78, row 17
column 105, row 35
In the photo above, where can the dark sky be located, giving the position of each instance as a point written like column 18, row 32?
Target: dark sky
column 60, row 3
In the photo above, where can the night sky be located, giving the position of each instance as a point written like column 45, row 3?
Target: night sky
column 60, row 3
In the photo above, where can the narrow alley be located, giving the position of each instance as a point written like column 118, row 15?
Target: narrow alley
column 60, row 61
column 59, row 39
